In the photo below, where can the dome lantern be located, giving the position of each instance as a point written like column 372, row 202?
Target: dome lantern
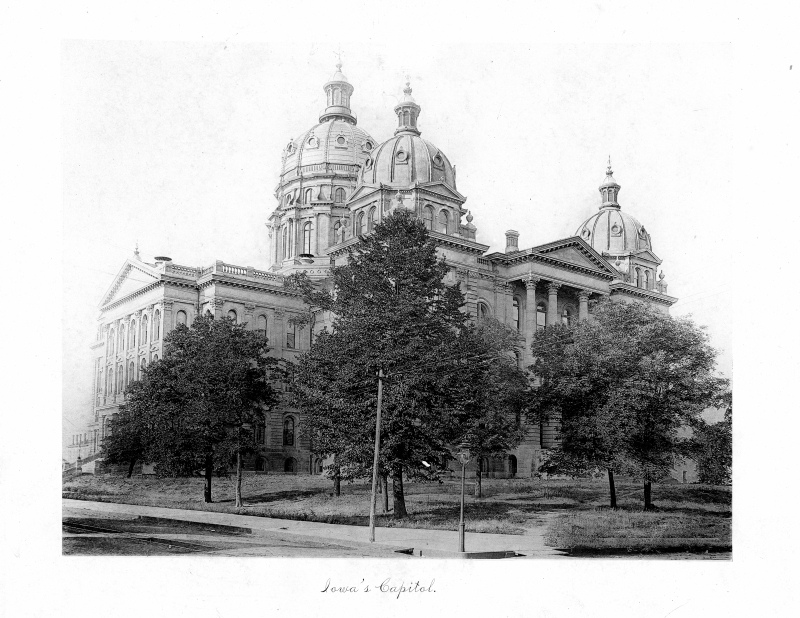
column 407, row 112
column 609, row 189
column 338, row 91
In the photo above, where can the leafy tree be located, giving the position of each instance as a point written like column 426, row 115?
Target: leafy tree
column 622, row 384
column 198, row 407
column 392, row 312
column 711, row 446
column 491, row 392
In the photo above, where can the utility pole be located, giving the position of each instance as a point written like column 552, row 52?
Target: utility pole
column 375, row 460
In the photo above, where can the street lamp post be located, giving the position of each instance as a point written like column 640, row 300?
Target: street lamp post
column 464, row 457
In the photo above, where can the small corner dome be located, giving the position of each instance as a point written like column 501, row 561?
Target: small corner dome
column 613, row 231
column 405, row 160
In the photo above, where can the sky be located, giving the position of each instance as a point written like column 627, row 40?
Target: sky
column 177, row 146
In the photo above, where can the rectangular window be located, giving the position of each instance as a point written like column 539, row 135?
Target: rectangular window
column 291, row 333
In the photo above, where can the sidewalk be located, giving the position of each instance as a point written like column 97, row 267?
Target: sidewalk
column 427, row 543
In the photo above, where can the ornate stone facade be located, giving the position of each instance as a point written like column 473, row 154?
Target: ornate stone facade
column 336, row 183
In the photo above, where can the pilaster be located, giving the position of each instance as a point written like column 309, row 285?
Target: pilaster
column 248, row 316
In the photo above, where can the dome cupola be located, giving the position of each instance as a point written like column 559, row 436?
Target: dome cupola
column 407, row 112
column 338, row 90
column 609, row 189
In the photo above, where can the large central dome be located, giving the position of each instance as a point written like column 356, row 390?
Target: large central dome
column 326, row 160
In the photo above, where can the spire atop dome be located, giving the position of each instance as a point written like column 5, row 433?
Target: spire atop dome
column 338, row 91
column 136, row 252
column 609, row 189
column 407, row 112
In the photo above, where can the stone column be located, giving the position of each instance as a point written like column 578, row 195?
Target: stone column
column 583, row 307
column 552, row 303
column 248, row 315
column 529, row 281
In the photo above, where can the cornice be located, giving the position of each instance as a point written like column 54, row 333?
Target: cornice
column 632, row 290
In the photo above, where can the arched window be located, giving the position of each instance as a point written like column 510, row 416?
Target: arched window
column 373, row 219
column 131, row 372
column 339, row 196
column 288, row 431
column 121, row 346
column 307, row 237
column 110, row 382
column 232, row 315
column 180, row 318
column 337, row 233
column 566, row 317
column 290, row 465
column 638, row 278
column 647, row 279
column 142, row 365
column 157, row 325
column 362, row 224
column 541, row 316
column 427, row 217
column 285, row 242
column 112, row 339
column 308, row 195
column 132, row 334
column 261, row 325
column 515, row 313
column 155, row 358
column 512, row 465
column 444, row 221
column 483, row 311
column 143, row 338
column 120, row 379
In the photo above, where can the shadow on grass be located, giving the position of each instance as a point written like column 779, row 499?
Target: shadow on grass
column 276, row 496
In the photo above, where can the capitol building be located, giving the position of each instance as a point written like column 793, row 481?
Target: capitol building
column 335, row 183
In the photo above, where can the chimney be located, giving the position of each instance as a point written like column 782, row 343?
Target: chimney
column 161, row 260
column 512, row 241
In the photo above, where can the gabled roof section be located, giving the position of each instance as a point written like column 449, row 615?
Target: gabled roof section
column 646, row 254
column 441, row 188
column 573, row 251
column 134, row 275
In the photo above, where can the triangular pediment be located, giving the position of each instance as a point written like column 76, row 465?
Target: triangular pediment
column 576, row 251
column 361, row 191
column 442, row 189
column 133, row 276
column 648, row 255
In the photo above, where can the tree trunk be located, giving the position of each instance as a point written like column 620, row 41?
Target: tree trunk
column 478, row 486
column 238, row 479
column 612, row 489
column 397, row 490
column 209, row 472
column 337, row 483
column 131, row 466
column 648, row 503
column 385, row 486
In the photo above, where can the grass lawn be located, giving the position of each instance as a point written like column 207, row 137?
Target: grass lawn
column 687, row 517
